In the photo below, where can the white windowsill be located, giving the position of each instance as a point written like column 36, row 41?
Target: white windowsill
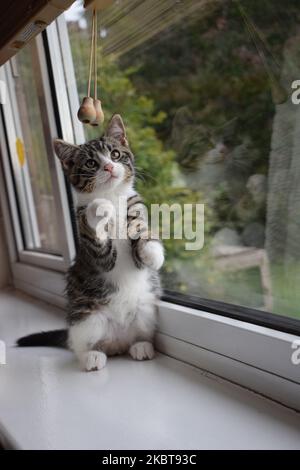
column 255, row 357
column 47, row 403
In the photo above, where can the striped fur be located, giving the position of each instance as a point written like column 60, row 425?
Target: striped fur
column 113, row 285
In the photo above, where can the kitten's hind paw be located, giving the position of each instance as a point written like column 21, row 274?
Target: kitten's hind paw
column 93, row 360
column 142, row 350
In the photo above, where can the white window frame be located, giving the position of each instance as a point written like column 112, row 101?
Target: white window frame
column 12, row 126
column 252, row 356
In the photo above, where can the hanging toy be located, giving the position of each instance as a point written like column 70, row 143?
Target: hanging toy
column 87, row 111
column 90, row 111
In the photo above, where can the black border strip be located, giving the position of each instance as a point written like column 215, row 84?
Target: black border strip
column 237, row 312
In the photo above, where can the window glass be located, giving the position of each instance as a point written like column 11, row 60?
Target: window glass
column 205, row 88
column 32, row 162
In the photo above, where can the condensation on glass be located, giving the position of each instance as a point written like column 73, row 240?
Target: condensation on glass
column 205, row 90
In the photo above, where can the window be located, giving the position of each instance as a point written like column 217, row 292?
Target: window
column 30, row 104
column 38, row 197
column 205, row 90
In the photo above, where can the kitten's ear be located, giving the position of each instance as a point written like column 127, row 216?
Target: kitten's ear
column 116, row 129
column 65, row 152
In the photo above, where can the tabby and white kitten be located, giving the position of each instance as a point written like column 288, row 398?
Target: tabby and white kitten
column 113, row 284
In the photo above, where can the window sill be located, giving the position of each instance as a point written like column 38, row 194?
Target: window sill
column 256, row 357
column 163, row 404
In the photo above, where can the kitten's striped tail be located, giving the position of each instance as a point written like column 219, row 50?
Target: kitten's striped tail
column 56, row 338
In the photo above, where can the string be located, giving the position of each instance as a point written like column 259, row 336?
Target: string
column 91, row 54
column 95, row 55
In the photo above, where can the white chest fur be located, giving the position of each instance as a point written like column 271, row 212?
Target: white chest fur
column 130, row 313
column 133, row 286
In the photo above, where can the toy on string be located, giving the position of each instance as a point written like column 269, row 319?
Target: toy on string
column 90, row 111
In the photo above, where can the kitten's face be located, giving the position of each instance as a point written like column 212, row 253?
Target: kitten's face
column 101, row 164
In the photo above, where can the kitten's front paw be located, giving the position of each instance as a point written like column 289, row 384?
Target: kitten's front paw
column 99, row 216
column 142, row 350
column 93, row 360
column 151, row 253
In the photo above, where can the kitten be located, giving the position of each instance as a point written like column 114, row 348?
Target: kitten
column 113, row 284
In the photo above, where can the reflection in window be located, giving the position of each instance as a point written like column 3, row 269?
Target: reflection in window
column 32, row 142
column 204, row 88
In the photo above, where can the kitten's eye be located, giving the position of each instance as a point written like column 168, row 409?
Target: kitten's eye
column 90, row 163
column 115, row 154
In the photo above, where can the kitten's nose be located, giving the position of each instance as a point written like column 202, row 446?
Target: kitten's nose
column 108, row 167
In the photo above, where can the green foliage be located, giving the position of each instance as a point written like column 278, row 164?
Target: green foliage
column 119, row 95
column 156, row 166
column 207, row 72
column 203, row 81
